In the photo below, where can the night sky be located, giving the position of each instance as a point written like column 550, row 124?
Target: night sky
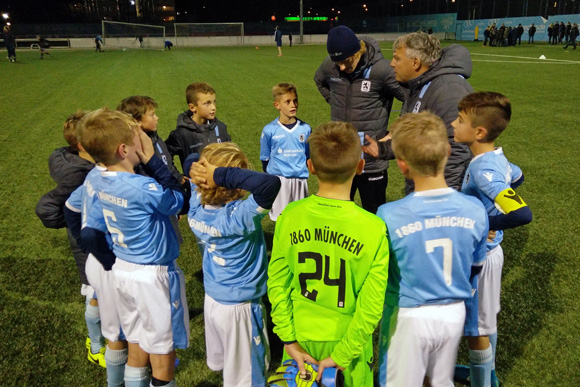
column 58, row 11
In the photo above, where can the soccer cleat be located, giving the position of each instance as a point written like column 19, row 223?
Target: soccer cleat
column 494, row 380
column 88, row 343
column 97, row 358
column 462, row 375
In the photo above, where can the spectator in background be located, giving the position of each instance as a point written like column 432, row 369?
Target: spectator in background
column 561, row 32
column 567, row 33
column 573, row 35
column 168, row 45
column 290, row 38
column 10, row 43
column 278, row 39
column 531, row 33
column 520, row 32
column 486, row 36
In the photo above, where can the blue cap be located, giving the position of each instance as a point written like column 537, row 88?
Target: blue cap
column 342, row 43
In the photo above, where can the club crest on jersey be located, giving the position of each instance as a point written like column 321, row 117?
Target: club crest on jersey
column 365, row 86
column 152, row 187
column 280, row 150
column 301, row 138
column 417, row 107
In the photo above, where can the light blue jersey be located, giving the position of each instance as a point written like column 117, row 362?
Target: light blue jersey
column 436, row 236
column 84, row 198
column 235, row 261
column 286, row 150
column 489, row 174
column 136, row 210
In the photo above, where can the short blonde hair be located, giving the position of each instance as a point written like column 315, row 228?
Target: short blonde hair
column 192, row 91
column 103, row 131
column 283, row 88
column 420, row 139
column 70, row 128
column 335, row 151
column 420, row 45
column 223, row 154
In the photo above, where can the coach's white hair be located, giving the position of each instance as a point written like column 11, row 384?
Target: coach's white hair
column 420, row 45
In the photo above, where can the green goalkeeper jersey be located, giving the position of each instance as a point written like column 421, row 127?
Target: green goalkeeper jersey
column 328, row 274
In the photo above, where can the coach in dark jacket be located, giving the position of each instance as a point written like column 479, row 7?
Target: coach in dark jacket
column 358, row 83
column 436, row 80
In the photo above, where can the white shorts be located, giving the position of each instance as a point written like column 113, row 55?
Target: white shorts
column 483, row 308
column 152, row 306
column 291, row 190
column 103, row 283
column 236, row 342
column 419, row 342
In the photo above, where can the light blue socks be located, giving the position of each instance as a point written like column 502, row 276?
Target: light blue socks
column 116, row 360
column 93, row 320
column 137, row 376
column 480, row 363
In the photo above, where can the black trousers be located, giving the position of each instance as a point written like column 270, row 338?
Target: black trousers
column 372, row 188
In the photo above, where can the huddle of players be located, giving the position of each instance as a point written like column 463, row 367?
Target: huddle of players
column 330, row 279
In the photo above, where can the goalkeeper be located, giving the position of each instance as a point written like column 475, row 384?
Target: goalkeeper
column 328, row 271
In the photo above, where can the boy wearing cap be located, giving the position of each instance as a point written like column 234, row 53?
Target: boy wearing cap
column 358, row 83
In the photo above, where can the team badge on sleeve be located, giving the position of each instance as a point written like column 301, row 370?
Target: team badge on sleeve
column 287, row 375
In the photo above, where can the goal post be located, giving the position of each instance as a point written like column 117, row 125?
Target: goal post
column 132, row 35
column 209, row 34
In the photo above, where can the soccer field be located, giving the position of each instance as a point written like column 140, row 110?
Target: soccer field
column 42, row 329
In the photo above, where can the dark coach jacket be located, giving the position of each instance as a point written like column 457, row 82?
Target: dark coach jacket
column 439, row 90
column 363, row 98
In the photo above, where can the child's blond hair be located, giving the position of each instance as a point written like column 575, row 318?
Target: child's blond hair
column 103, row 131
column 420, row 139
column 137, row 106
column 70, row 128
column 223, row 154
column 192, row 91
column 335, row 151
column 283, row 88
column 488, row 109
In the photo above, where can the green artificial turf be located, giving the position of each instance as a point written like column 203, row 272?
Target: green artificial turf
column 42, row 329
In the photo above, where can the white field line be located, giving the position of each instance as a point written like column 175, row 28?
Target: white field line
column 526, row 57
column 542, row 61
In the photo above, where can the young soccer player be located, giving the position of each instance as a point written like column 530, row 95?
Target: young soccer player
column 76, row 211
column 437, row 239
column 68, row 167
column 142, row 109
column 198, row 126
column 284, row 148
column 328, row 271
column 492, row 179
column 43, row 45
column 234, row 261
column 148, row 283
